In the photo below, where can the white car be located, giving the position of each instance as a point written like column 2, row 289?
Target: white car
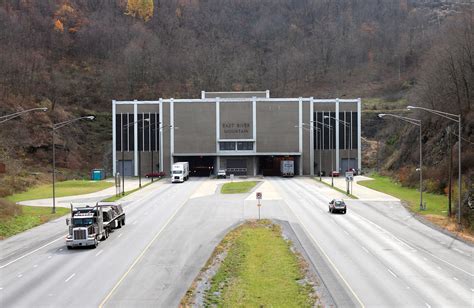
column 221, row 174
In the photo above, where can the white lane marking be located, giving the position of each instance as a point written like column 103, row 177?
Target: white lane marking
column 393, row 274
column 134, row 223
column 365, row 249
column 19, row 275
column 1, row 289
column 438, row 267
column 459, row 250
column 472, row 290
column 141, row 255
column 70, row 277
column 33, row 251
column 425, row 251
column 425, row 259
column 346, row 232
column 120, row 234
column 49, row 257
column 408, row 288
column 60, row 249
column 329, row 260
column 35, row 266
column 97, row 254
column 455, row 278
column 427, row 305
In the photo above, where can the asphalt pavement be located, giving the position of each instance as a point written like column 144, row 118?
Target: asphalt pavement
column 377, row 255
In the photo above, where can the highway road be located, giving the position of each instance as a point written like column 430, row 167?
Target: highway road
column 380, row 254
column 377, row 255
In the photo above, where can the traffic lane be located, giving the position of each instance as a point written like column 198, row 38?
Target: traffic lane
column 167, row 269
column 103, row 269
column 368, row 285
column 419, row 271
column 425, row 238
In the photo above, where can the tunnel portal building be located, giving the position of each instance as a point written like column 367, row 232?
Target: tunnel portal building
column 245, row 133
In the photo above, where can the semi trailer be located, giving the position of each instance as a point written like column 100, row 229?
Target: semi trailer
column 287, row 168
column 90, row 224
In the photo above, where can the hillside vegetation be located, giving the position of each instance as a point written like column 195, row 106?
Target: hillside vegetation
column 75, row 56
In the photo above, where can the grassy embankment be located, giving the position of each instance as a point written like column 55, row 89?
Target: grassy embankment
column 435, row 204
column 17, row 218
column 238, row 187
column 259, row 270
column 63, row 189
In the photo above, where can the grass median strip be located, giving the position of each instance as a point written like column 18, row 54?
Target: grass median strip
column 120, row 196
column 238, row 187
column 63, row 189
column 16, row 218
column 259, row 270
column 337, row 189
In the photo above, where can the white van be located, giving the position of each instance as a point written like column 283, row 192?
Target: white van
column 180, row 172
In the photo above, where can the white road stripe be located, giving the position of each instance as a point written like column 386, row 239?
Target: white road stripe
column 97, row 254
column 19, row 275
column 346, row 232
column 393, row 274
column 49, row 257
column 1, row 289
column 36, row 265
column 70, row 277
column 120, row 234
column 33, row 251
column 365, row 249
column 455, row 278
column 427, row 305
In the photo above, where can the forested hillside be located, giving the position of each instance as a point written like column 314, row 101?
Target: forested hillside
column 75, row 56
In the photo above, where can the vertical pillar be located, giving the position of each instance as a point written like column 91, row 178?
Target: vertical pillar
column 114, row 138
column 161, row 133
column 203, row 94
column 336, row 133
column 267, row 94
column 311, row 136
column 135, row 139
column 359, row 145
column 300, row 131
column 255, row 166
column 254, row 122
column 218, row 133
column 171, row 133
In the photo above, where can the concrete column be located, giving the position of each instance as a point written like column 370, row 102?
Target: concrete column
column 203, row 94
column 311, row 136
column 254, row 166
column 300, row 129
column 267, row 94
column 254, row 122
column 161, row 134
column 135, row 135
column 171, row 133
column 359, row 131
column 114, row 139
column 336, row 132
column 218, row 120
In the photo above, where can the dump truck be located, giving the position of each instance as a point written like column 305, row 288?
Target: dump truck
column 287, row 168
column 90, row 224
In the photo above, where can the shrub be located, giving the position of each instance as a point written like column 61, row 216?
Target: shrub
column 8, row 209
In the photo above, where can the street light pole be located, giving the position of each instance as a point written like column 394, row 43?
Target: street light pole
column 55, row 127
column 415, row 122
column 11, row 116
column 455, row 118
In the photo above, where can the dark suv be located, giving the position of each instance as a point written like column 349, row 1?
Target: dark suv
column 337, row 205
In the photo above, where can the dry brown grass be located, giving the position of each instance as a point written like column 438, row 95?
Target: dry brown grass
column 9, row 209
column 450, row 225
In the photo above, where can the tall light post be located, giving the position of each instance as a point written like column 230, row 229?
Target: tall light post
column 415, row 122
column 55, row 127
column 11, row 116
column 139, row 157
column 161, row 129
column 346, row 125
column 319, row 143
column 331, row 137
column 455, row 118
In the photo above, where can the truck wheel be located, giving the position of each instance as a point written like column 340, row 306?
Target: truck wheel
column 69, row 247
column 119, row 224
column 123, row 222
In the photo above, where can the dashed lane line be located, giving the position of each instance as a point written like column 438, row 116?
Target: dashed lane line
column 393, row 274
column 70, row 277
column 31, row 252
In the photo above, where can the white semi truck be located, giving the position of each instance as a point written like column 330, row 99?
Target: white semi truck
column 287, row 168
column 90, row 224
column 180, row 172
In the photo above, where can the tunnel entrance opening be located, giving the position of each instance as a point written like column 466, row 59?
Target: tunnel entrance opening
column 198, row 165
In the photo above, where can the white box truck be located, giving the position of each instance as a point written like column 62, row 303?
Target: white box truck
column 287, row 168
column 180, row 172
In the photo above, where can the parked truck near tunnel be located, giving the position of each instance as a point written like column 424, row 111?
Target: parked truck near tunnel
column 90, row 224
column 287, row 168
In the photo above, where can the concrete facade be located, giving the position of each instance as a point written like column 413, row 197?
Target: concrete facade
column 243, row 132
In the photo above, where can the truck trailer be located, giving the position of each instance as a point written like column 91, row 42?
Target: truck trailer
column 287, row 168
column 180, row 172
column 90, row 224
